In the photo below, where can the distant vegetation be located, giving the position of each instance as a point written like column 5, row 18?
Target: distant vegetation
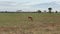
column 49, row 10
column 38, row 11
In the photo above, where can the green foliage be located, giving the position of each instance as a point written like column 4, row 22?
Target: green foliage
column 39, row 11
column 49, row 10
column 56, row 12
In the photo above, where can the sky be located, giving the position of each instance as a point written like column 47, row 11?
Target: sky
column 11, row 5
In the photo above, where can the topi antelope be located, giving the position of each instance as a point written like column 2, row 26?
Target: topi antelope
column 30, row 18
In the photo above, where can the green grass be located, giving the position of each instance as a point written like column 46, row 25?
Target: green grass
column 43, row 23
column 11, row 19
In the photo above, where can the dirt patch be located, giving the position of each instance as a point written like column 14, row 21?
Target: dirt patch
column 8, row 28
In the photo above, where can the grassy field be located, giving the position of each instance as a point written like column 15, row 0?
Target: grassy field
column 18, row 23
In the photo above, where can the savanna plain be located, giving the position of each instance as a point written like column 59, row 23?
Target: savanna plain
column 18, row 23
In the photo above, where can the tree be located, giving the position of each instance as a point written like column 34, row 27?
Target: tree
column 6, row 11
column 56, row 11
column 49, row 10
column 39, row 11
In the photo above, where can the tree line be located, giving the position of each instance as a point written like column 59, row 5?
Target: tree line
column 38, row 11
column 49, row 11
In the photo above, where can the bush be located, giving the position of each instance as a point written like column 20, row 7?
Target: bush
column 39, row 11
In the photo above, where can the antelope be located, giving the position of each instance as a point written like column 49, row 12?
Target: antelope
column 30, row 18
